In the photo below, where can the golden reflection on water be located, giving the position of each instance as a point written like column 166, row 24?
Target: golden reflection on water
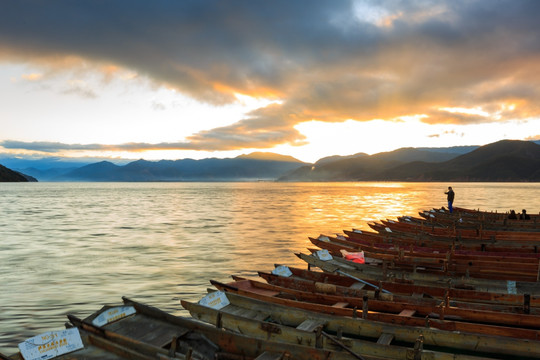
column 69, row 248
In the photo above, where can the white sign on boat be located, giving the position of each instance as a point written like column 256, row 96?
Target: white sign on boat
column 51, row 344
column 511, row 285
column 216, row 300
column 282, row 270
column 324, row 255
column 113, row 314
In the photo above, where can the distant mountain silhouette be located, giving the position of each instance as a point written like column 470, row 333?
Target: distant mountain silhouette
column 362, row 166
column 8, row 175
column 242, row 168
column 506, row 160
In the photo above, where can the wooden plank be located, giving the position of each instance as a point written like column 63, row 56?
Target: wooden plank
column 267, row 355
column 407, row 313
column 310, row 325
column 385, row 339
column 359, row 285
column 340, row 304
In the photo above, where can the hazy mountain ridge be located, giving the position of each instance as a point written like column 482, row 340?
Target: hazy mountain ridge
column 236, row 169
column 506, row 160
column 363, row 166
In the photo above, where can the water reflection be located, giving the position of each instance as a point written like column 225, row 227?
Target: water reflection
column 73, row 247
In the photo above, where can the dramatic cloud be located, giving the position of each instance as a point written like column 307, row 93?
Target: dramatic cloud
column 453, row 62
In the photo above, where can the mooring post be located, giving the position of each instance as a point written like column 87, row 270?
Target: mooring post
column 364, row 307
column 527, row 303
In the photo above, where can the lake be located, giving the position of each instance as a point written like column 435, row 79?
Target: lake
column 69, row 248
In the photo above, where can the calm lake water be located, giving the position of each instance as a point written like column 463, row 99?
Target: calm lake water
column 73, row 247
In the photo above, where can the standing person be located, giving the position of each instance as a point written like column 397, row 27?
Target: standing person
column 524, row 215
column 450, row 198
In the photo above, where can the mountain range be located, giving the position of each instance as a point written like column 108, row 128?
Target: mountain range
column 505, row 160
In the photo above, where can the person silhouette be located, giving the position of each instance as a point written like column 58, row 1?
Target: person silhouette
column 450, row 197
column 524, row 215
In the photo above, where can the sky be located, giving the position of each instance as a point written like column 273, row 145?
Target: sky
column 307, row 78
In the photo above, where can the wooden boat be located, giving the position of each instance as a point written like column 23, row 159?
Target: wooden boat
column 502, row 268
column 96, row 347
column 472, row 234
column 294, row 314
column 178, row 337
column 253, row 321
column 480, row 217
column 425, row 251
column 412, row 299
column 406, row 317
column 443, row 243
column 374, row 273
column 517, row 303
column 384, row 309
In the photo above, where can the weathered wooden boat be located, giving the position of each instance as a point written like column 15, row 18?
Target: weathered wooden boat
column 451, row 342
column 431, row 236
column 517, row 302
column 478, row 216
column 391, row 310
column 443, row 243
column 175, row 336
column 92, row 347
column 470, row 234
column 374, row 273
column 412, row 299
column 405, row 318
column 309, row 332
column 526, row 269
column 425, row 251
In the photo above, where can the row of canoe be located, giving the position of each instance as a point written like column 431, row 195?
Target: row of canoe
column 467, row 298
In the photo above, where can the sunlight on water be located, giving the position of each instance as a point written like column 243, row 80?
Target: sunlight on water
column 72, row 247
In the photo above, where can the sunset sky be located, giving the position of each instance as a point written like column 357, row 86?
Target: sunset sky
column 197, row 79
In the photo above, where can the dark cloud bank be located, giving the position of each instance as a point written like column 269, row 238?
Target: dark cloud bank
column 323, row 60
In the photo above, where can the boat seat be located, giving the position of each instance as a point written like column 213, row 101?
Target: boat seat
column 267, row 355
column 310, row 325
column 247, row 313
column 340, row 304
column 357, row 285
column 407, row 312
column 385, row 339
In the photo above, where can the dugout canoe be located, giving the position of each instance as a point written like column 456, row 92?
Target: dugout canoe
column 385, row 309
column 311, row 332
column 176, row 336
column 292, row 313
column 520, row 303
column 500, row 268
column 298, row 283
column 469, row 234
column 384, row 235
column 373, row 273
column 425, row 251
column 405, row 318
column 94, row 347
column 480, row 217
